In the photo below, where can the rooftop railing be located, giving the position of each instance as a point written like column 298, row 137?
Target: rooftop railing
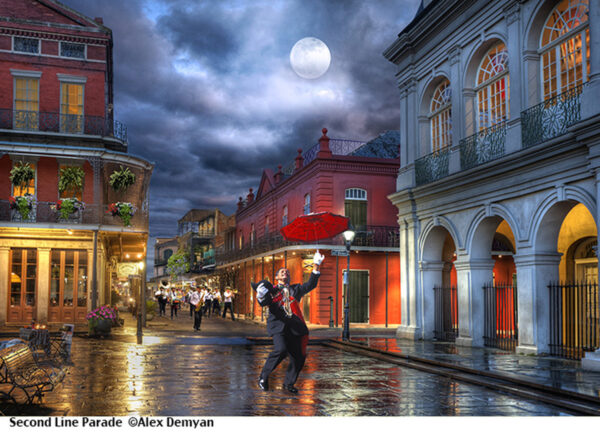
column 371, row 236
column 337, row 147
column 23, row 120
column 551, row 118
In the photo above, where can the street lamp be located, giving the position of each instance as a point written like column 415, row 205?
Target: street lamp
column 348, row 238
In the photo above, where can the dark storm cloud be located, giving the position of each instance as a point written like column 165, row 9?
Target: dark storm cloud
column 208, row 95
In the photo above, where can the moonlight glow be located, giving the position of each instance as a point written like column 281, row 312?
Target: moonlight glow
column 310, row 58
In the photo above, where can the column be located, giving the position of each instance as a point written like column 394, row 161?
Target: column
column 431, row 275
column 513, row 132
column 4, row 279
column 406, row 175
column 471, row 275
column 457, row 109
column 90, row 273
column 410, row 327
column 589, row 96
column 43, row 285
column 535, row 270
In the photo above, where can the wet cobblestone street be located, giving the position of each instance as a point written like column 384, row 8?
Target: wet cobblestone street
column 182, row 374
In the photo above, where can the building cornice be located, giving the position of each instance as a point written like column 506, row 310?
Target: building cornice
column 31, row 33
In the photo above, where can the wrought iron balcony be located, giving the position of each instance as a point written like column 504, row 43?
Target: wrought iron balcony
column 484, row 146
column 371, row 236
column 432, row 167
column 23, row 120
column 551, row 118
column 93, row 214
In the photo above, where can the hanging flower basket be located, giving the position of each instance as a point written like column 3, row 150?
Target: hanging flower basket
column 69, row 209
column 22, row 208
column 124, row 210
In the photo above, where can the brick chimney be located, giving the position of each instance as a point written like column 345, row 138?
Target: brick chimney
column 240, row 204
column 278, row 177
column 99, row 20
column 250, row 198
column 324, row 151
column 299, row 160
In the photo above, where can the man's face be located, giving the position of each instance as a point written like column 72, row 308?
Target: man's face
column 283, row 276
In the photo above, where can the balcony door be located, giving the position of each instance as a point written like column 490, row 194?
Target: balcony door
column 358, row 296
column 26, row 103
column 68, row 286
column 71, row 108
column 23, row 281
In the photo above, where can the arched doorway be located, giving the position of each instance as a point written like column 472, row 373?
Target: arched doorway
column 439, row 281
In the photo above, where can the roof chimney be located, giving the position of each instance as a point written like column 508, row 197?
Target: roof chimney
column 250, row 197
column 99, row 20
column 240, row 204
column 324, row 151
column 299, row 160
column 278, row 177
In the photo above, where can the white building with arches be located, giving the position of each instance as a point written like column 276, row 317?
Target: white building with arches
column 499, row 178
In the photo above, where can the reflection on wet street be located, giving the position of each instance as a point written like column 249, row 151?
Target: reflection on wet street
column 216, row 376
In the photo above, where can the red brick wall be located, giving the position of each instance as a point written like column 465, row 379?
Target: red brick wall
column 47, row 179
column 5, row 166
column 88, row 183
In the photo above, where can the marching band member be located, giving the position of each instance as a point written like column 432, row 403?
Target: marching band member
column 285, row 323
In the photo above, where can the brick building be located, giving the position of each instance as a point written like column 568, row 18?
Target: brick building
column 344, row 177
column 61, row 249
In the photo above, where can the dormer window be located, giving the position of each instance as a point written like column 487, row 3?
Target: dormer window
column 26, row 45
column 69, row 49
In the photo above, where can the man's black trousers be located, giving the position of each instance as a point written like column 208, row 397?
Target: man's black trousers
column 228, row 305
column 197, row 319
column 285, row 344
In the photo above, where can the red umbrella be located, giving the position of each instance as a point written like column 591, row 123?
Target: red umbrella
column 315, row 226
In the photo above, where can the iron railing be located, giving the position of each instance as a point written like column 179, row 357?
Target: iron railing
column 446, row 313
column 574, row 319
column 432, row 167
column 23, row 120
column 372, row 236
column 93, row 214
column 551, row 118
column 484, row 146
column 500, row 322
column 337, row 147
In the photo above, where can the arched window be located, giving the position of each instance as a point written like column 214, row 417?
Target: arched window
column 167, row 254
column 493, row 87
column 307, row 204
column 564, row 44
column 284, row 217
column 355, row 207
column 440, row 117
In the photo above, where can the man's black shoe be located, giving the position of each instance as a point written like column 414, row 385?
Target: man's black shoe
column 263, row 384
column 290, row 388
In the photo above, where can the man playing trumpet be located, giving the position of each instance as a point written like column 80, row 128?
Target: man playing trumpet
column 285, row 323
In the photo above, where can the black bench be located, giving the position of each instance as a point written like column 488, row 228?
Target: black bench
column 20, row 371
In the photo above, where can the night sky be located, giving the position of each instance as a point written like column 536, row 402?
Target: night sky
column 208, row 94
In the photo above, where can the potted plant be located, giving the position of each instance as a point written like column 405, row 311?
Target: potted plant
column 124, row 210
column 21, row 174
column 71, row 178
column 120, row 180
column 22, row 206
column 100, row 321
column 68, row 207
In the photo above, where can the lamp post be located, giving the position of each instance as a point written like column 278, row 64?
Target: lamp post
column 348, row 238
column 141, row 301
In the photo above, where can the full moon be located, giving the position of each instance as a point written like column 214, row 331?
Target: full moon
column 310, row 58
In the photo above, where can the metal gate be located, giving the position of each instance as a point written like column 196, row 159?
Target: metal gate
column 574, row 319
column 500, row 327
column 446, row 313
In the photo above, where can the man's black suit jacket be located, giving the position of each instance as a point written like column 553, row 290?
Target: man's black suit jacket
column 278, row 320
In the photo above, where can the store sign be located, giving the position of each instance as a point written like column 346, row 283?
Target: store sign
column 339, row 253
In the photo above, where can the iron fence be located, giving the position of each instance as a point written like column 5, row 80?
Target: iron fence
column 446, row 313
column 24, row 120
column 551, row 118
column 484, row 146
column 432, row 167
column 372, row 236
column 574, row 319
column 337, row 147
column 500, row 323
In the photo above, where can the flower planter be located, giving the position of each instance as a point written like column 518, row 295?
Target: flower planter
column 100, row 327
column 15, row 216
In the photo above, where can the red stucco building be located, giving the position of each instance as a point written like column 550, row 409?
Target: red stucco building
column 344, row 177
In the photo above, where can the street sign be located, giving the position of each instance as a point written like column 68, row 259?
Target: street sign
column 339, row 253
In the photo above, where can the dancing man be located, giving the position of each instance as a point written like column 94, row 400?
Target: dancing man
column 285, row 323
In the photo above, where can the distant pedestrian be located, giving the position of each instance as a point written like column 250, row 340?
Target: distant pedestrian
column 174, row 300
column 228, row 302
column 208, row 298
column 161, row 297
column 191, row 289
column 216, row 303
